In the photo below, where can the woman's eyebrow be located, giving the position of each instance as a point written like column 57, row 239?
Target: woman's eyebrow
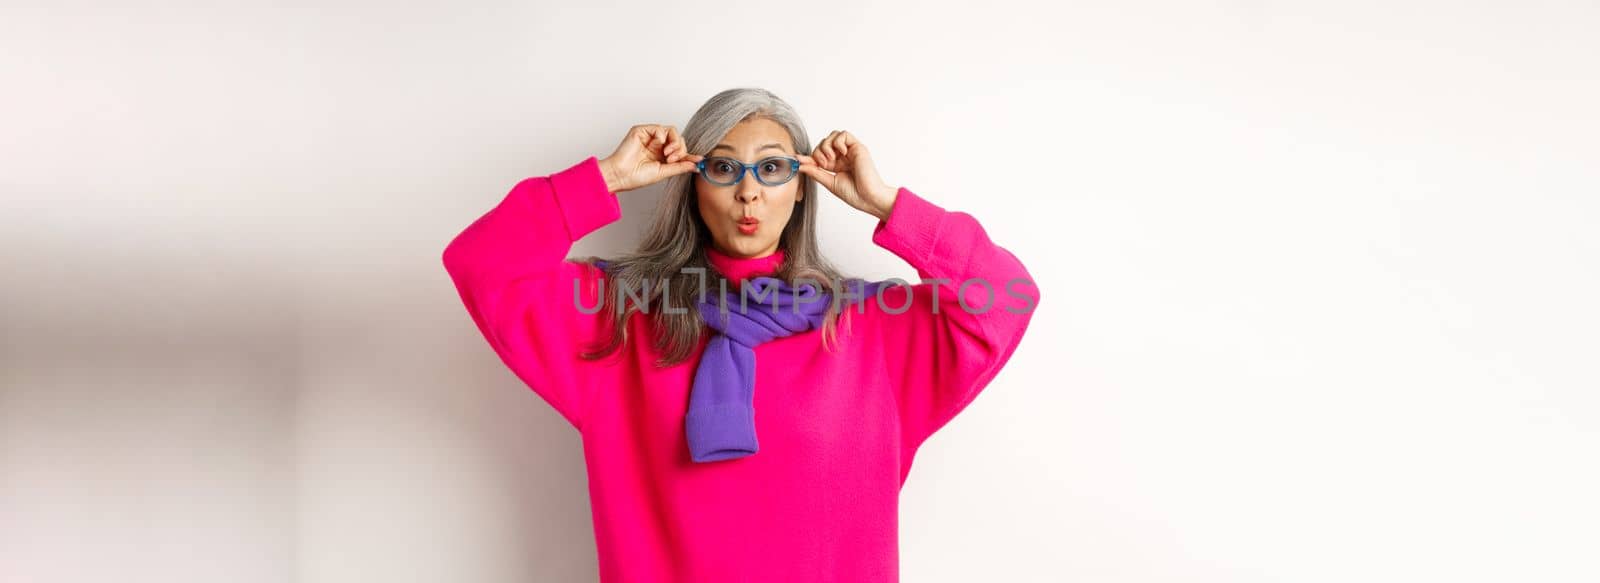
column 778, row 146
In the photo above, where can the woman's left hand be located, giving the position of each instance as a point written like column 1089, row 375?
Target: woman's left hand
column 841, row 164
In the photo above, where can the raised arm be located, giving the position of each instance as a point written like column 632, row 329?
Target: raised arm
column 511, row 270
column 941, row 354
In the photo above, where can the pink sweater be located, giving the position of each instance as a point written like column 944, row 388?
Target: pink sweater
column 838, row 429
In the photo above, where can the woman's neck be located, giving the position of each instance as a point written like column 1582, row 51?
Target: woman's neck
column 738, row 268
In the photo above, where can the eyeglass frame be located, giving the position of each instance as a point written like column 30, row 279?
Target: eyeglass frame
column 794, row 169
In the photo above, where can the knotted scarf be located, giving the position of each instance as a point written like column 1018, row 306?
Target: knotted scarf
column 720, row 423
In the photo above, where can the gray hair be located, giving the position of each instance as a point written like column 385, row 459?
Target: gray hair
column 677, row 238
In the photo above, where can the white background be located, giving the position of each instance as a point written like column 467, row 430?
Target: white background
column 1318, row 279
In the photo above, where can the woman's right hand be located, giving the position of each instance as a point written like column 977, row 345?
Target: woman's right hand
column 649, row 154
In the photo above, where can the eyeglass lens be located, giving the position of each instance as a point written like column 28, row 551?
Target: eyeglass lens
column 773, row 170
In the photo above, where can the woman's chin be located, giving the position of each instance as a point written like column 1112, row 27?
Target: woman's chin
column 741, row 245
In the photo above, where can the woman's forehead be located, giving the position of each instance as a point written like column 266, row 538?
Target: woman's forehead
column 760, row 137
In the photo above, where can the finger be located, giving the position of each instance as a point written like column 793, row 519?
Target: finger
column 683, row 167
column 816, row 173
column 858, row 150
column 822, row 144
column 660, row 143
column 683, row 154
column 822, row 151
column 819, row 175
column 850, row 144
column 675, row 147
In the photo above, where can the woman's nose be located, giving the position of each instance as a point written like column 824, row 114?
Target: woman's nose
column 748, row 190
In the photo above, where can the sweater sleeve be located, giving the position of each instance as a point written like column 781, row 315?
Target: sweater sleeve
column 511, row 271
column 940, row 353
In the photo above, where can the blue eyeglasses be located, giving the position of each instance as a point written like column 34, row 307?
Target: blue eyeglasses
column 724, row 171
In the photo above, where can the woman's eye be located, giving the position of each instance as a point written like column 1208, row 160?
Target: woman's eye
column 769, row 167
column 723, row 167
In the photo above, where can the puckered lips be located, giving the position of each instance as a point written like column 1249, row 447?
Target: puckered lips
column 748, row 225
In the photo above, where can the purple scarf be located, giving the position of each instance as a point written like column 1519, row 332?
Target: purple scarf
column 720, row 424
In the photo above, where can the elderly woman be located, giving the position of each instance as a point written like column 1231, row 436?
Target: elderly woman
column 765, row 430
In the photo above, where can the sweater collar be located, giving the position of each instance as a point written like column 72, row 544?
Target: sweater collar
column 738, row 268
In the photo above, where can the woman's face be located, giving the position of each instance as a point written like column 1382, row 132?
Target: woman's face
column 728, row 210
